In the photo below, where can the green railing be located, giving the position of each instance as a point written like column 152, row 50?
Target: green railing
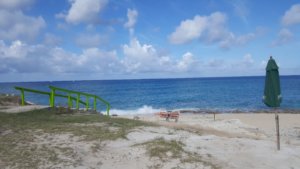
column 69, row 96
column 70, row 92
column 23, row 90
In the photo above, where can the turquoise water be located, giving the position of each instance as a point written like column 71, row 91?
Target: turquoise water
column 223, row 94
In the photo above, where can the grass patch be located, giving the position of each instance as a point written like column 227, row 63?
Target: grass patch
column 18, row 133
column 52, row 121
column 163, row 149
column 167, row 150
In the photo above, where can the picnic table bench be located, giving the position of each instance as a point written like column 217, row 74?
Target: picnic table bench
column 169, row 115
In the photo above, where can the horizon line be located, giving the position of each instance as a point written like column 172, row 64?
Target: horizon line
column 162, row 78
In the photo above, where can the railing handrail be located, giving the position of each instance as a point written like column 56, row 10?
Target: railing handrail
column 53, row 88
column 31, row 90
column 45, row 93
column 81, row 93
column 70, row 98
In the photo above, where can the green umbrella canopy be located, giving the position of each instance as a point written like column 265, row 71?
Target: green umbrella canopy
column 272, row 93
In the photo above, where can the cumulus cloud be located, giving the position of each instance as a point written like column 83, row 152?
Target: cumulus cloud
column 132, row 15
column 144, row 58
column 243, row 64
column 15, row 25
column 140, row 57
column 191, row 29
column 284, row 36
column 248, row 60
column 292, row 16
column 186, row 63
column 45, row 59
column 52, row 40
column 232, row 39
column 137, row 59
column 15, row 4
column 208, row 29
column 83, row 11
column 88, row 40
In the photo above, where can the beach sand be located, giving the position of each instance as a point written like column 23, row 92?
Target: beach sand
column 231, row 141
column 239, row 140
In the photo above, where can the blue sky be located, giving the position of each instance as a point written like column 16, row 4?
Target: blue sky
column 124, row 39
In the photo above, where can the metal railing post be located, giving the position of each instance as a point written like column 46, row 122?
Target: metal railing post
column 77, row 101
column 95, row 104
column 87, row 102
column 52, row 98
column 69, row 101
column 22, row 98
column 52, row 95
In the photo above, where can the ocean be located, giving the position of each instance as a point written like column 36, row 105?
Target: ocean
column 150, row 95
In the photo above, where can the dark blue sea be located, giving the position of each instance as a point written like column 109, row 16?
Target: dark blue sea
column 150, row 95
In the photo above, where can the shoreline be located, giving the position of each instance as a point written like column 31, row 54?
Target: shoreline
column 149, row 110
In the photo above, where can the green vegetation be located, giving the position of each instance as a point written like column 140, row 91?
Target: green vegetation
column 164, row 149
column 167, row 150
column 19, row 131
column 61, row 120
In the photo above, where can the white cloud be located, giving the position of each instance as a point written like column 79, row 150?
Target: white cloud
column 209, row 29
column 52, row 40
column 96, row 60
column 284, row 36
column 137, row 59
column 88, row 40
column 248, row 60
column 232, row 39
column 15, row 4
column 15, row 25
column 189, row 30
column 186, row 63
column 292, row 16
column 84, row 11
column 132, row 15
column 144, row 58
column 16, row 50
column 19, row 57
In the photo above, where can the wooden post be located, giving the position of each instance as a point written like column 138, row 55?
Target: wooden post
column 277, row 130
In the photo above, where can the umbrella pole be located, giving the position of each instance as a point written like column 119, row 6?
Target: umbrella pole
column 277, row 129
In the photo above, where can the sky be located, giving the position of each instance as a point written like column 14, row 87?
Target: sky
column 54, row 40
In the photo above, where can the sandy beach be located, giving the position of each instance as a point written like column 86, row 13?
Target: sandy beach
column 243, row 140
column 231, row 141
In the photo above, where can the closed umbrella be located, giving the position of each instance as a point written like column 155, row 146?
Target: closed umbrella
column 272, row 92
